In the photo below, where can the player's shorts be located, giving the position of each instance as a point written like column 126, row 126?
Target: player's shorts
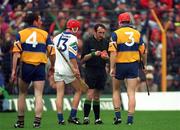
column 29, row 72
column 95, row 78
column 66, row 78
column 127, row 70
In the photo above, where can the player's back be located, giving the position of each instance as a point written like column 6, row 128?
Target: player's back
column 66, row 43
column 33, row 42
column 128, row 42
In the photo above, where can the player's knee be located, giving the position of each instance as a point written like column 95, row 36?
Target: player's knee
column 96, row 97
column 90, row 96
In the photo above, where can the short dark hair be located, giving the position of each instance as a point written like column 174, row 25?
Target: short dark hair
column 31, row 17
column 99, row 25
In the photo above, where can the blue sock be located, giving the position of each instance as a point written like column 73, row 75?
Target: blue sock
column 118, row 114
column 73, row 113
column 60, row 117
column 130, row 119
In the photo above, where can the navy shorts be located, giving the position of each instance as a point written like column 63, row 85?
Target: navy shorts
column 95, row 78
column 29, row 72
column 127, row 70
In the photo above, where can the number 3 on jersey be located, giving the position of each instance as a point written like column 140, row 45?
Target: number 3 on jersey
column 130, row 34
column 62, row 43
column 32, row 39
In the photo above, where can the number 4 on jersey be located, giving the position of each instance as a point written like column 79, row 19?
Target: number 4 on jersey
column 32, row 39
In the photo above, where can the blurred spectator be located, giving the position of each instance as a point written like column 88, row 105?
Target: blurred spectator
column 3, row 27
column 1, row 77
column 4, row 103
column 150, row 69
column 155, row 47
column 58, row 24
column 137, row 22
column 170, row 85
column 150, row 82
column 85, row 6
column 177, row 82
column 121, row 6
column 6, row 58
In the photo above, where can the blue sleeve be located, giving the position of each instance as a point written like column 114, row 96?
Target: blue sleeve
column 114, row 36
column 18, row 37
column 49, row 41
column 141, row 41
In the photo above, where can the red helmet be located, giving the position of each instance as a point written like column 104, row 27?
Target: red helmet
column 124, row 17
column 72, row 23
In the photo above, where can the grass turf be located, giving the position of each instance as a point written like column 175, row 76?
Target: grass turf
column 143, row 120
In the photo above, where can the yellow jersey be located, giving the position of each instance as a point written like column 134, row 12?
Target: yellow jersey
column 127, row 42
column 34, row 44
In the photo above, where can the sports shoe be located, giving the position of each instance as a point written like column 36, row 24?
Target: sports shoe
column 86, row 120
column 36, row 125
column 129, row 122
column 74, row 120
column 98, row 122
column 117, row 121
column 19, row 124
column 61, row 122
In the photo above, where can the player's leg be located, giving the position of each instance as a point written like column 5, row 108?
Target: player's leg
column 96, row 106
column 116, row 100
column 87, row 105
column 21, row 103
column 38, row 93
column 132, row 82
column 91, row 81
column 38, row 78
column 77, row 96
column 131, row 89
column 59, row 101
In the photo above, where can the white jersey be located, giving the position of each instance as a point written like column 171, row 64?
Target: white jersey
column 67, row 44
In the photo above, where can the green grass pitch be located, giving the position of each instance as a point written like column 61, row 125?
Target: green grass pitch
column 143, row 120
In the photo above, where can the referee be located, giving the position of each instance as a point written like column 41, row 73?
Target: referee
column 95, row 57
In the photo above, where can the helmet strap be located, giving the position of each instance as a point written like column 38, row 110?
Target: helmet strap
column 75, row 30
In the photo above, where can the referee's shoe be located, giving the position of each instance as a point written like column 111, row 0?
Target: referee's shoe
column 98, row 122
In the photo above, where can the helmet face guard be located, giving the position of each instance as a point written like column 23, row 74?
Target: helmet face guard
column 74, row 25
column 124, row 17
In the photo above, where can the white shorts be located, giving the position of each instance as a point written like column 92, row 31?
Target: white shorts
column 66, row 78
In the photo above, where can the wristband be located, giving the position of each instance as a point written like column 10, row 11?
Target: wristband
column 93, row 53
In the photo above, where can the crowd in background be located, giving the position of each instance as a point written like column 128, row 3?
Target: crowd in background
column 55, row 14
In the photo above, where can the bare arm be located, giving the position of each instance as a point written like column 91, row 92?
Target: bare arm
column 16, row 56
column 52, row 59
column 112, row 62
column 74, row 67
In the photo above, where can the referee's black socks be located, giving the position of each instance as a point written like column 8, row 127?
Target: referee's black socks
column 87, row 107
column 96, row 109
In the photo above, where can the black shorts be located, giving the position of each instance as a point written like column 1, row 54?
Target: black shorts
column 95, row 78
